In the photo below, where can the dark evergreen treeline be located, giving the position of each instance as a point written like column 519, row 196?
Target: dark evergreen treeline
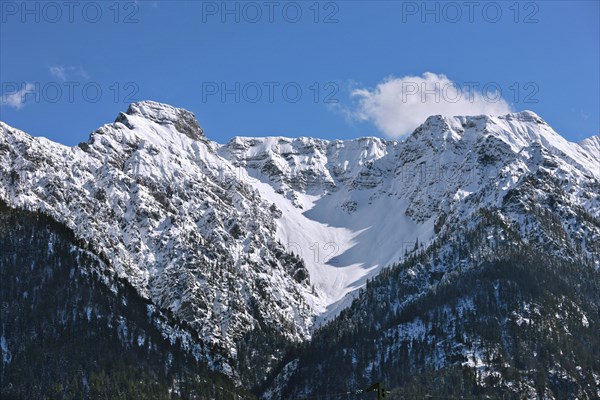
column 69, row 332
column 499, row 319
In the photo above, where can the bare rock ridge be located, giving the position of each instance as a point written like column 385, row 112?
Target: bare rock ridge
column 182, row 120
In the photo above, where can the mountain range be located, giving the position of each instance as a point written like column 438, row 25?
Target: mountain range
column 461, row 261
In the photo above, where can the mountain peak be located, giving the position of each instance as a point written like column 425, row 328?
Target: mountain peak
column 182, row 120
column 592, row 146
column 447, row 122
column 525, row 116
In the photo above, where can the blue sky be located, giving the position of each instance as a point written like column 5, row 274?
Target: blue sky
column 339, row 69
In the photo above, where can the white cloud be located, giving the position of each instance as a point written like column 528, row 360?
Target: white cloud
column 17, row 99
column 59, row 73
column 64, row 73
column 396, row 106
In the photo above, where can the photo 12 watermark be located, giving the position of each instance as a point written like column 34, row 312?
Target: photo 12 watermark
column 317, row 252
column 453, row 12
column 461, row 174
column 451, row 92
column 269, row 92
column 253, row 12
column 52, row 12
column 20, row 93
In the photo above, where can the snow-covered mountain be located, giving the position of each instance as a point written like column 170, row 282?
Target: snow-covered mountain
column 146, row 194
column 353, row 207
column 500, row 300
column 282, row 232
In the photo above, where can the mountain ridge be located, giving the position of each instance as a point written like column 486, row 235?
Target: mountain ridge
column 279, row 234
column 363, row 163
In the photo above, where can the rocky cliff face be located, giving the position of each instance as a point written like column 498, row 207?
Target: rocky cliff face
column 70, row 329
column 146, row 194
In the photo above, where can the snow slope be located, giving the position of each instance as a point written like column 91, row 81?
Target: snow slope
column 353, row 207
